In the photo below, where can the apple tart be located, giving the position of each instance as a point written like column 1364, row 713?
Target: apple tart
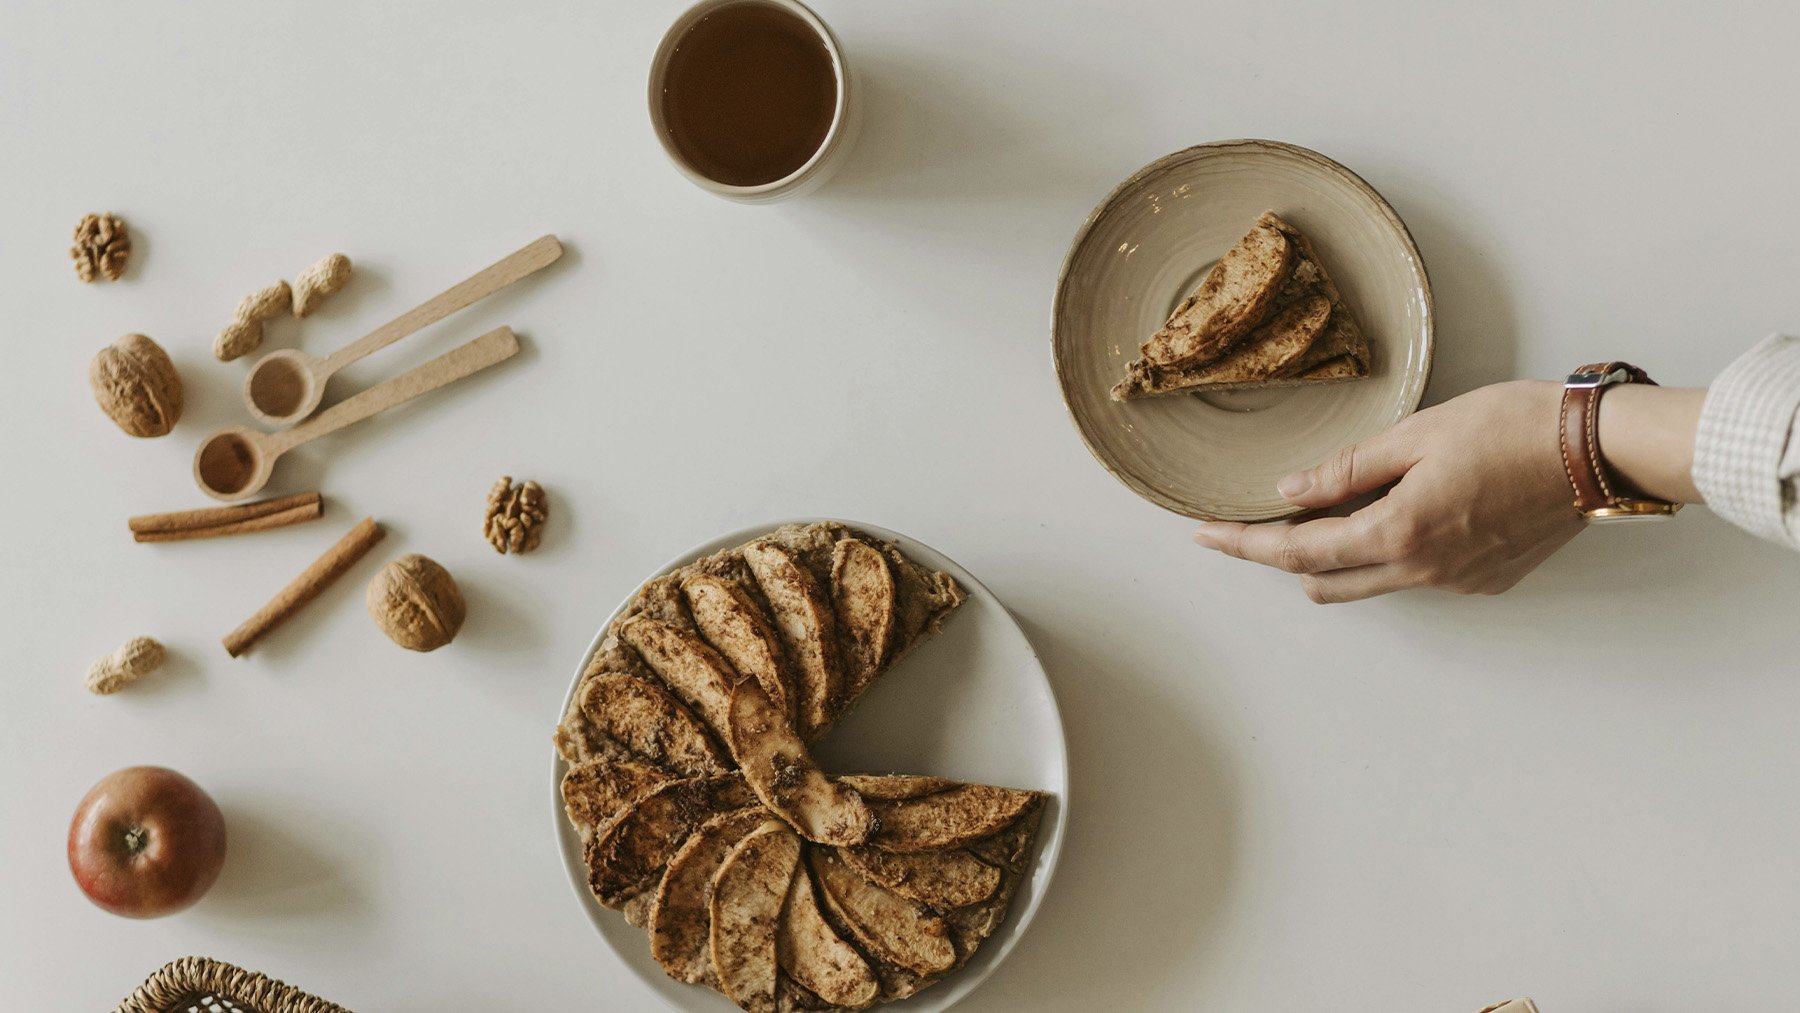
column 704, row 819
column 1266, row 315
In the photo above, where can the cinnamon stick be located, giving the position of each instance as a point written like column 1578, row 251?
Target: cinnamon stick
column 267, row 522
column 231, row 520
column 306, row 587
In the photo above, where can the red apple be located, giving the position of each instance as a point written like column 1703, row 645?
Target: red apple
column 146, row 842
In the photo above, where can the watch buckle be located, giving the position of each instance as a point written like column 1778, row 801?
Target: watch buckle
column 1588, row 381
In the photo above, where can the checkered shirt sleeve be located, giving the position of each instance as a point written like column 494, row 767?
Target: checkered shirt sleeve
column 1746, row 457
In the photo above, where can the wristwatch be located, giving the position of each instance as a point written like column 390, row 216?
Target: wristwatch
column 1601, row 495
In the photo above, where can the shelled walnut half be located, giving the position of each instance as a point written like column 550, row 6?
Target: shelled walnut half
column 515, row 516
column 101, row 245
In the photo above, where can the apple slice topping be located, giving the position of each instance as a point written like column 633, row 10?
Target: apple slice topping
column 889, row 787
column 862, row 587
column 695, row 672
column 939, row 879
column 948, row 819
column 1235, row 294
column 680, row 920
column 808, row 632
column 782, row 773
column 747, row 896
column 596, row 792
column 734, row 625
column 647, row 720
column 888, row 925
column 813, row 954
column 628, row 855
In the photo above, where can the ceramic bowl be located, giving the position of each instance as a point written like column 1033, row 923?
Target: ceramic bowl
column 833, row 151
column 1218, row 455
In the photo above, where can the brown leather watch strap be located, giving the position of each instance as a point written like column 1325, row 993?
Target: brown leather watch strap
column 1595, row 488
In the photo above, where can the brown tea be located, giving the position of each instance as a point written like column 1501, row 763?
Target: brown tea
column 749, row 93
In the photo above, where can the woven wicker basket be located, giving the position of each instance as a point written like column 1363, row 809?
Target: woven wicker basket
column 201, row 985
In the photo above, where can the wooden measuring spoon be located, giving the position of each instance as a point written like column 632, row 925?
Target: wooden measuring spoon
column 285, row 386
column 234, row 463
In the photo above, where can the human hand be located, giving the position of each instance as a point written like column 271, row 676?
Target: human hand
column 1481, row 499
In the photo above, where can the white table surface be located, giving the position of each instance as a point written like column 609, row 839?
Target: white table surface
column 1582, row 790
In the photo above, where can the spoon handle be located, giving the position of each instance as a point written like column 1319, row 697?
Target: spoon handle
column 528, row 259
column 495, row 346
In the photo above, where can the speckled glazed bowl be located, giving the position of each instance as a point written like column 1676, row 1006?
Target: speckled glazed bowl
column 1218, row 455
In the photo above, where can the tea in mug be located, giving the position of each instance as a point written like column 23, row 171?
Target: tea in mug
column 749, row 94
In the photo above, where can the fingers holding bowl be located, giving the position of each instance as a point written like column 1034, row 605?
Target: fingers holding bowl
column 1315, row 546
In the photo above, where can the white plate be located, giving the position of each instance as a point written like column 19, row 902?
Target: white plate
column 971, row 703
column 1218, row 455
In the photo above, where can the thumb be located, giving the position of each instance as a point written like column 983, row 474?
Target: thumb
column 1352, row 471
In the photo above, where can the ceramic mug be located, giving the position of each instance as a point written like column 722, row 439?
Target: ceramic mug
column 831, row 152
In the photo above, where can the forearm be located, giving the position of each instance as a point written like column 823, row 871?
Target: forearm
column 1647, row 438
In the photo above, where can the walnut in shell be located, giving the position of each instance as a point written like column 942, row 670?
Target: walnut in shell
column 101, row 245
column 416, row 603
column 515, row 516
column 137, row 386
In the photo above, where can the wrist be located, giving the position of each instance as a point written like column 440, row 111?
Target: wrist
column 1646, row 437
